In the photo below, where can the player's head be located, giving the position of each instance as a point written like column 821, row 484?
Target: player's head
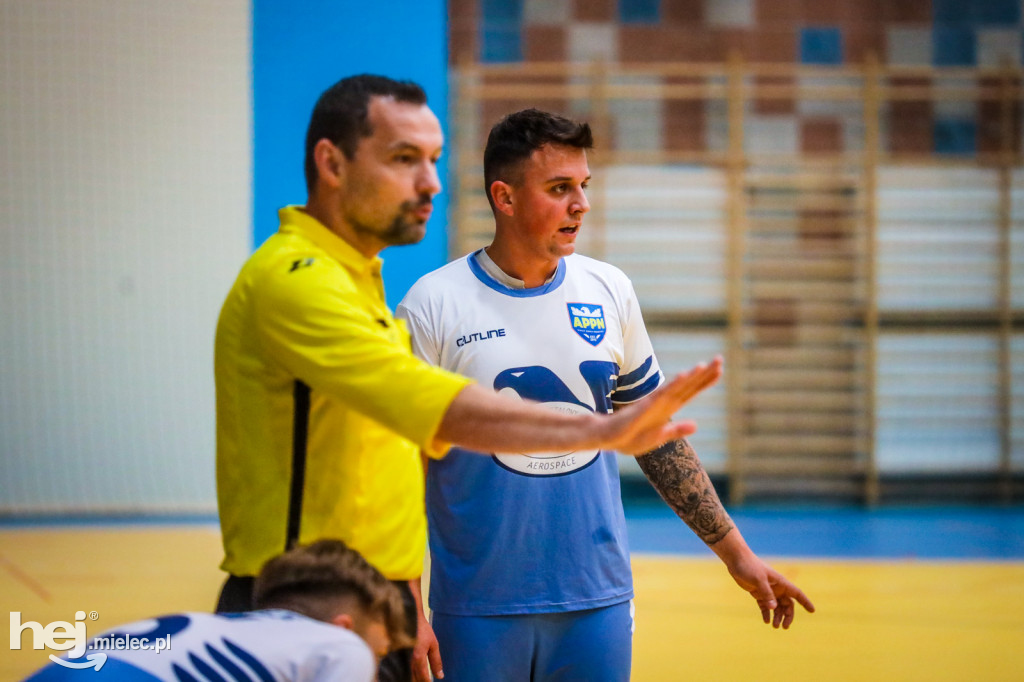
column 371, row 159
column 330, row 582
column 514, row 139
column 535, row 168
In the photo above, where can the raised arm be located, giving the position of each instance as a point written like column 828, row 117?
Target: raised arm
column 483, row 420
column 677, row 474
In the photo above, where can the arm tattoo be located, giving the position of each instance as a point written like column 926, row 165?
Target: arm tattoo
column 676, row 473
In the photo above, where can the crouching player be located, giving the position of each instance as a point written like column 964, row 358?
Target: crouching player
column 324, row 613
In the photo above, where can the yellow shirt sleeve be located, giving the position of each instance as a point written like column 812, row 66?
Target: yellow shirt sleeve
column 334, row 338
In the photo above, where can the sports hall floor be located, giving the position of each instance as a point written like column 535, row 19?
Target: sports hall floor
column 903, row 593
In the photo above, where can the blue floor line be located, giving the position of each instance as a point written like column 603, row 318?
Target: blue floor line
column 980, row 533
column 964, row 533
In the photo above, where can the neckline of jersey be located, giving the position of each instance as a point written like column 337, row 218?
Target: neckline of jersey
column 491, row 283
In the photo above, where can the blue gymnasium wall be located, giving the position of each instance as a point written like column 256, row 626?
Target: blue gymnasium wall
column 298, row 51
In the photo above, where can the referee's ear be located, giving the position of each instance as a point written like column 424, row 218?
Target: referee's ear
column 501, row 194
column 329, row 160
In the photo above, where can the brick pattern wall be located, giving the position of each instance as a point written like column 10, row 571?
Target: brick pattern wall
column 982, row 33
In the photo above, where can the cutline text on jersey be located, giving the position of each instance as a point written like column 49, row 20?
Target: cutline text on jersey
column 479, row 336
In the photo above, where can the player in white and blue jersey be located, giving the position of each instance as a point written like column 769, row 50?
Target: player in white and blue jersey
column 325, row 615
column 530, row 574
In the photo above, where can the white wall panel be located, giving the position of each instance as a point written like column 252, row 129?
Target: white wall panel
column 664, row 228
column 1017, row 239
column 125, row 176
column 938, row 403
column 938, row 238
column 1017, row 402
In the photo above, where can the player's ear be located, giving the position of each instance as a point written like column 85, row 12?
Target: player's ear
column 329, row 162
column 501, row 194
column 343, row 620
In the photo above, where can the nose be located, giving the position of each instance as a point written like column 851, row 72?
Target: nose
column 580, row 204
column 427, row 180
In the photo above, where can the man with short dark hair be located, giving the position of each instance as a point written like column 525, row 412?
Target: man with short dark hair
column 323, row 613
column 328, row 581
column 530, row 574
column 322, row 409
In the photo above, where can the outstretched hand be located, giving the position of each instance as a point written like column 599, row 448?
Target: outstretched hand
column 645, row 425
column 772, row 591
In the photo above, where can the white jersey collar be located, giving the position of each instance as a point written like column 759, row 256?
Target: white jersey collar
column 499, row 275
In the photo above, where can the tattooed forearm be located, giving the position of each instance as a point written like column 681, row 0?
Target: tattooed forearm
column 676, row 473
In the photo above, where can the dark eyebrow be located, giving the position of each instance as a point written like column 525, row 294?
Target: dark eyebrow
column 403, row 146
column 565, row 178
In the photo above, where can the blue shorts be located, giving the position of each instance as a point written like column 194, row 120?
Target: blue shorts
column 594, row 645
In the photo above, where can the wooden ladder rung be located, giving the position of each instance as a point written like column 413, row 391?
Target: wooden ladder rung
column 815, row 445
column 801, row 467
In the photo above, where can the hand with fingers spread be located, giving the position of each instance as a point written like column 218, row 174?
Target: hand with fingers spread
column 640, row 427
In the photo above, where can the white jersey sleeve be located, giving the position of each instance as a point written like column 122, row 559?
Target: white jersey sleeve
column 422, row 333
column 640, row 372
column 424, row 309
column 341, row 664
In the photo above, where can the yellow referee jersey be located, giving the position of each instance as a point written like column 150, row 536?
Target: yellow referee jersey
column 321, row 407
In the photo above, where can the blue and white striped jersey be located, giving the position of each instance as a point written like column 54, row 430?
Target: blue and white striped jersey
column 261, row 646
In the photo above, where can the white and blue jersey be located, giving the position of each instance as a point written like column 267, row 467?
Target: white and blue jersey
column 261, row 646
column 514, row 534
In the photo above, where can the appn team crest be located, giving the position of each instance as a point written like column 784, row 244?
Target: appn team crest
column 588, row 321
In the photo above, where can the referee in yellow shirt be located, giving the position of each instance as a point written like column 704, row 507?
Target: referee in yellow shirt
column 322, row 410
